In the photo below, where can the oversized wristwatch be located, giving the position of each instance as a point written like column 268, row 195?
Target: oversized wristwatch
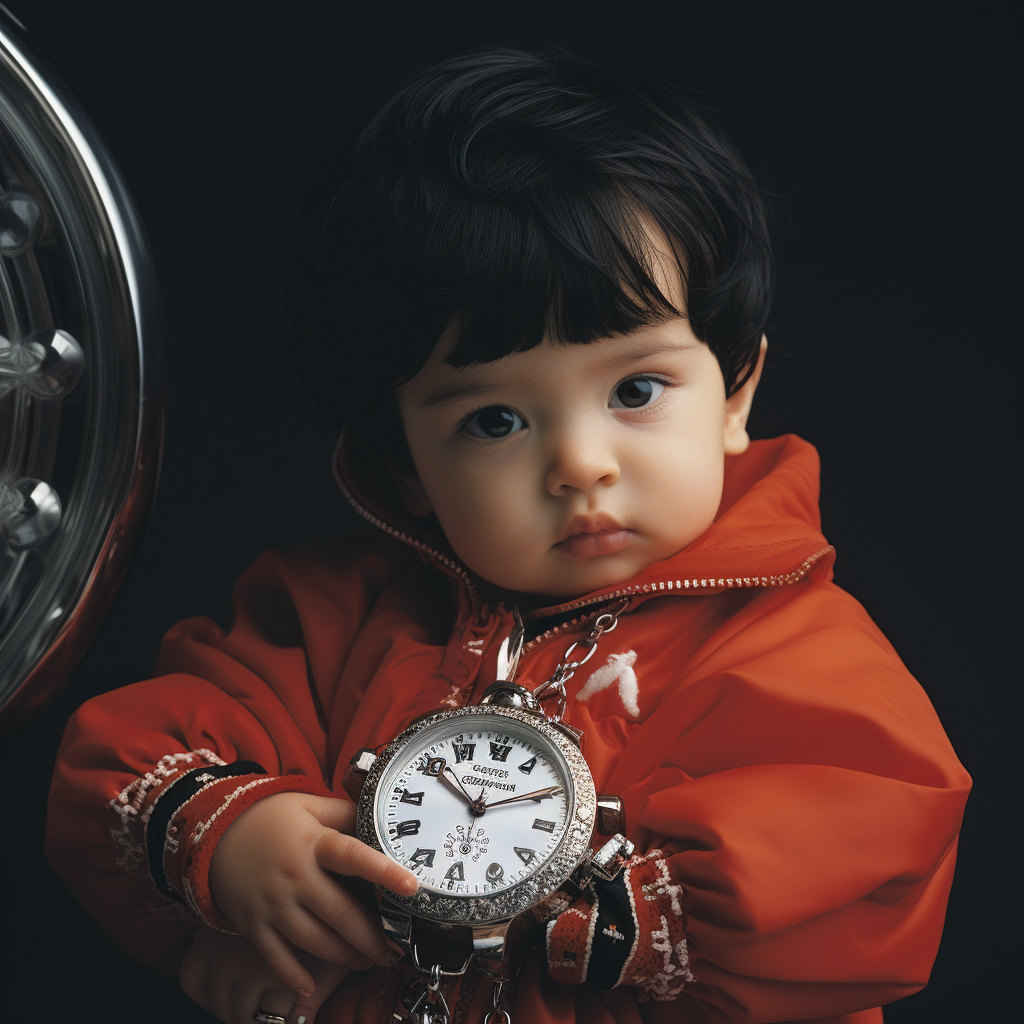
column 494, row 809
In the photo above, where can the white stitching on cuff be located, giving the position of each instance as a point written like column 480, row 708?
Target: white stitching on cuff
column 132, row 855
column 675, row 972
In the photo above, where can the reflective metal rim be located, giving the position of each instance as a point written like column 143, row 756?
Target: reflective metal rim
column 98, row 284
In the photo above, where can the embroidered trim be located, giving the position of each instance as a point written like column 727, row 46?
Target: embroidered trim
column 201, row 830
column 199, row 781
column 568, row 965
column 129, row 839
column 675, row 972
column 627, row 877
column 590, row 935
column 636, row 940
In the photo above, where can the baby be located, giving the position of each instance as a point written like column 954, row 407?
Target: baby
column 532, row 291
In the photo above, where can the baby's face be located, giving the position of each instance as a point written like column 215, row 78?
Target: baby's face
column 564, row 469
column 569, row 468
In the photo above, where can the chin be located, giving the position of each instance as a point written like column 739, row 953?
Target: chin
column 586, row 583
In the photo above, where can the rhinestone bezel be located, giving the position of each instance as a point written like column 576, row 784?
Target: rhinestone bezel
column 550, row 876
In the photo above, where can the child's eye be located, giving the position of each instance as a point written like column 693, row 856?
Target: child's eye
column 636, row 393
column 494, row 422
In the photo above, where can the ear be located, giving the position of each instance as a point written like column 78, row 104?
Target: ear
column 737, row 408
column 414, row 497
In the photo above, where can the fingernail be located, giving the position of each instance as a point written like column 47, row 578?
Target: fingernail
column 300, row 1020
column 305, row 993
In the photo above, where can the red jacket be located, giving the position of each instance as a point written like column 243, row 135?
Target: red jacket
column 792, row 771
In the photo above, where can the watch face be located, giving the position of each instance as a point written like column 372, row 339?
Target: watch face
column 474, row 805
column 493, row 808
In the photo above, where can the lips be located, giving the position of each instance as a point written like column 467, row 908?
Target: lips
column 598, row 534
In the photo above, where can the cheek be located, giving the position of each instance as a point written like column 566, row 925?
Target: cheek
column 683, row 480
column 481, row 506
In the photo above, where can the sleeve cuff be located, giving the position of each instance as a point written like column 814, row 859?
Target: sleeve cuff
column 627, row 931
column 198, row 823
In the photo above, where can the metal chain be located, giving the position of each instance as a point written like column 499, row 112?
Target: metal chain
column 489, row 1017
column 566, row 668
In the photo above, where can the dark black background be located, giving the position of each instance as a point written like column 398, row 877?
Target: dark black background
column 884, row 135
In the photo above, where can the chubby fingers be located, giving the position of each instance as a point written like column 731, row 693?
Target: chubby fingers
column 346, row 855
column 193, row 976
column 281, row 959
column 334, row 813
column 251, row 996
column 351, row 946
column 343, row 919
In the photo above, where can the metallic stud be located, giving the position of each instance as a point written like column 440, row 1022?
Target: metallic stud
column 30, row 512
column 48, row 363
column 21, row 220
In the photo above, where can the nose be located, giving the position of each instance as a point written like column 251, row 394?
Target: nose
column 580, row 458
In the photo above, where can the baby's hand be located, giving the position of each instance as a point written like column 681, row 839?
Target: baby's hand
column 269, row 877
column 225, row 975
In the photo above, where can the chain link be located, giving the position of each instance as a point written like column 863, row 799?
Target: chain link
column 489, row 1017
column 566, row 669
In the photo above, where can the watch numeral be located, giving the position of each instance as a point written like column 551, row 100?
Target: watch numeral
column 495, row 873
column 412, row 827
column 498, row 752
column 527, row 766
column 410, row 798
column 525, row 855
column 463, row 751
column 430, row 765
column 455, row 873
column 423, row 858
column 544, row 826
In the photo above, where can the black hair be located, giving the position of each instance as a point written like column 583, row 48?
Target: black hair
column 506, row 185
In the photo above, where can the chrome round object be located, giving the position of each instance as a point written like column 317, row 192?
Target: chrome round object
column 80, row 406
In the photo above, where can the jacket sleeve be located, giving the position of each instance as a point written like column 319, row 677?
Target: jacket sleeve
column 148, row 776
column 795, row 805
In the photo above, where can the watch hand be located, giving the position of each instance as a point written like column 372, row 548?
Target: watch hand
column 447, row 775
column 537, row 794
column 476, row 810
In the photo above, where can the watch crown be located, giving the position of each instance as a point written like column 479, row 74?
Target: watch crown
column 610, row 816
column 355, row 776
column 362, row 759
column 504, row 694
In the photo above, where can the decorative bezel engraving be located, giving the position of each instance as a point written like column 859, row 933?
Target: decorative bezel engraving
column 549, row 877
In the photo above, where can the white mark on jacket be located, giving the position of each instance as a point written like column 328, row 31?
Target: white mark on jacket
column 619, row 669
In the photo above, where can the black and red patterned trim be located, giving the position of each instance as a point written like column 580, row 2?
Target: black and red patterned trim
column 177, row 793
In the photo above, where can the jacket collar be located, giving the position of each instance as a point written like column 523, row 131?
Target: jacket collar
column 767, row 531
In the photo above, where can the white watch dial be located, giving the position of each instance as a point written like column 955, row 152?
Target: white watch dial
column 474, row 805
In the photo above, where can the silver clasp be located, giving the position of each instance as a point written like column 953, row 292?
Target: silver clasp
column 566, row 668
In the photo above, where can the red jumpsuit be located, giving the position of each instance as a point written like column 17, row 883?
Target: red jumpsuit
column 760, row 730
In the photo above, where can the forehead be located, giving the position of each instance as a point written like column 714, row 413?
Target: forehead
column 664, row 260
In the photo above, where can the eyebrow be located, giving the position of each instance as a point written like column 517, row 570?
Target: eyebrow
column 455, row 390
column 653, row 347
column 467, row 389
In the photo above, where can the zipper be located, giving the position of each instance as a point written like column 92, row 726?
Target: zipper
column 406, row 539
column 676, row 586
column 661, row 586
